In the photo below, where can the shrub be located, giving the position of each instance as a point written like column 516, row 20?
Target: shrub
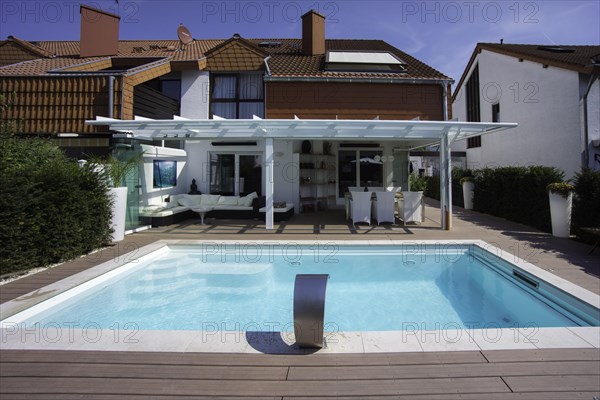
column 516, row 193
column 51, row 210
column 417, row 183
column 562, row 188
column 433, row 186
column 586, row 201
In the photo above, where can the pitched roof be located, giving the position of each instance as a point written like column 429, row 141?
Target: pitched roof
column 37, row 50
column 575, row 58
column 286, row 60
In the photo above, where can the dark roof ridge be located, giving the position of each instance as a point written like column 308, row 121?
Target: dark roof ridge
column 539, row 45
column 30, row 46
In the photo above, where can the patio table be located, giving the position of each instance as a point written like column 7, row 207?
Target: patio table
column 202, row 211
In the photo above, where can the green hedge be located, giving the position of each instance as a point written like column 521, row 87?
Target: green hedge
column 586, row 201
column 516, row 193
column 51, row 210
column 433, row 186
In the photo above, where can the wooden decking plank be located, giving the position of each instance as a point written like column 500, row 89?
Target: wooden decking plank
column 565, row 383
column 445, row 371
column 158, row 358
column 54, row 396
column 475, row 396
column 142, row 371
column 128, row 386
column 543, row 355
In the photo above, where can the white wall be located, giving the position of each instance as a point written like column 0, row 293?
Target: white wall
column 150, row 195
column 543, row 101
column 194, row 94
column 285, row 171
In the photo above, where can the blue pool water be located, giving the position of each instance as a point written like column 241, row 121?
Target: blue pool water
column 370, row 289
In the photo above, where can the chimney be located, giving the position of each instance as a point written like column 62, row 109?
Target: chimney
column 99, row 33
column 313, row 33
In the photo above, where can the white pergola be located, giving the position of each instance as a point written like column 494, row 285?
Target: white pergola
column 411, row 134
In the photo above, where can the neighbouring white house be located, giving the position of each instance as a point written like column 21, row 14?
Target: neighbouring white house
column 552, row 92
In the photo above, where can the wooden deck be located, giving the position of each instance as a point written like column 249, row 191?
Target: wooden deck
column 501, row 374
column 531, row 374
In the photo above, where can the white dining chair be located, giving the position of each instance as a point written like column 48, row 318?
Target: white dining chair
column 394, row 189
column 384, row 207
column 361, row 207
column 375, row 189
column 355, row 189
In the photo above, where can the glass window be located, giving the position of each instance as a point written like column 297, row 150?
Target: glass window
column 473, row 114
column 235, row 174
column 496, row 112
column 171, row 88
column 237, row 96
column 359, row 168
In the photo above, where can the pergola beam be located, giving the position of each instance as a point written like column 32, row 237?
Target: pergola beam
column 413, row 133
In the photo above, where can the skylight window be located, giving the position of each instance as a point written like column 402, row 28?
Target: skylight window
column 366, row 61
column 269, row 44
column 556, row 49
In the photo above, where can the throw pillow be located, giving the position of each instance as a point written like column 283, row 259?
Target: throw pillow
column 248, row 199
column 173, row 201
column 228, row 201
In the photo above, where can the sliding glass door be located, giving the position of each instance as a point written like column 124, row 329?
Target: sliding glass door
column 234, row 174
column 359, row 168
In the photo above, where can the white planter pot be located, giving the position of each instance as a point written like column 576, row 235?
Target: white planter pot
column 119, row 209
column 411, row 206
column 468, row 193
column 560, row 211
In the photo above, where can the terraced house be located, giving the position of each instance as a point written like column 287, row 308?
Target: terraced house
column 55, row 86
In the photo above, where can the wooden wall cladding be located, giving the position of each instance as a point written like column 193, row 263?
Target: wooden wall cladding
column 59, row 104
column 320, row 100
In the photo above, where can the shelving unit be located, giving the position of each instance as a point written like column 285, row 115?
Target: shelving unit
column 317, row 182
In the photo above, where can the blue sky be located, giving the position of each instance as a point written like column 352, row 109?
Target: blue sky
column 443, row 34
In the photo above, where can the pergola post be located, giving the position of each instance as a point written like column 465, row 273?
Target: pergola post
column 269, row 182
column 445, row 182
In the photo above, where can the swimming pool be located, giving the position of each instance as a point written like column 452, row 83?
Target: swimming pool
column 248, row 286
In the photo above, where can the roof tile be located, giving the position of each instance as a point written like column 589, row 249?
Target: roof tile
column 286, row 60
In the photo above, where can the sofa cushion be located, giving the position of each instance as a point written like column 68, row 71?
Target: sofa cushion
column 228, row 201
column 210, row 199
column 165, row 212
column 152, row 208
column 246, row 201
column 173, row 201
column 189, row 200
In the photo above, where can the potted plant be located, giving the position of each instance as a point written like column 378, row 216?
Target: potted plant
column 468, row 187
column 561, row 199
column 412, row 208
column 115, row 171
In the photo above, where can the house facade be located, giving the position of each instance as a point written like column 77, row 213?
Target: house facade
column 54, row 87
column 552, row 92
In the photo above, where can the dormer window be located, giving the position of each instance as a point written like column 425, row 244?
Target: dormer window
column 364, row 61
